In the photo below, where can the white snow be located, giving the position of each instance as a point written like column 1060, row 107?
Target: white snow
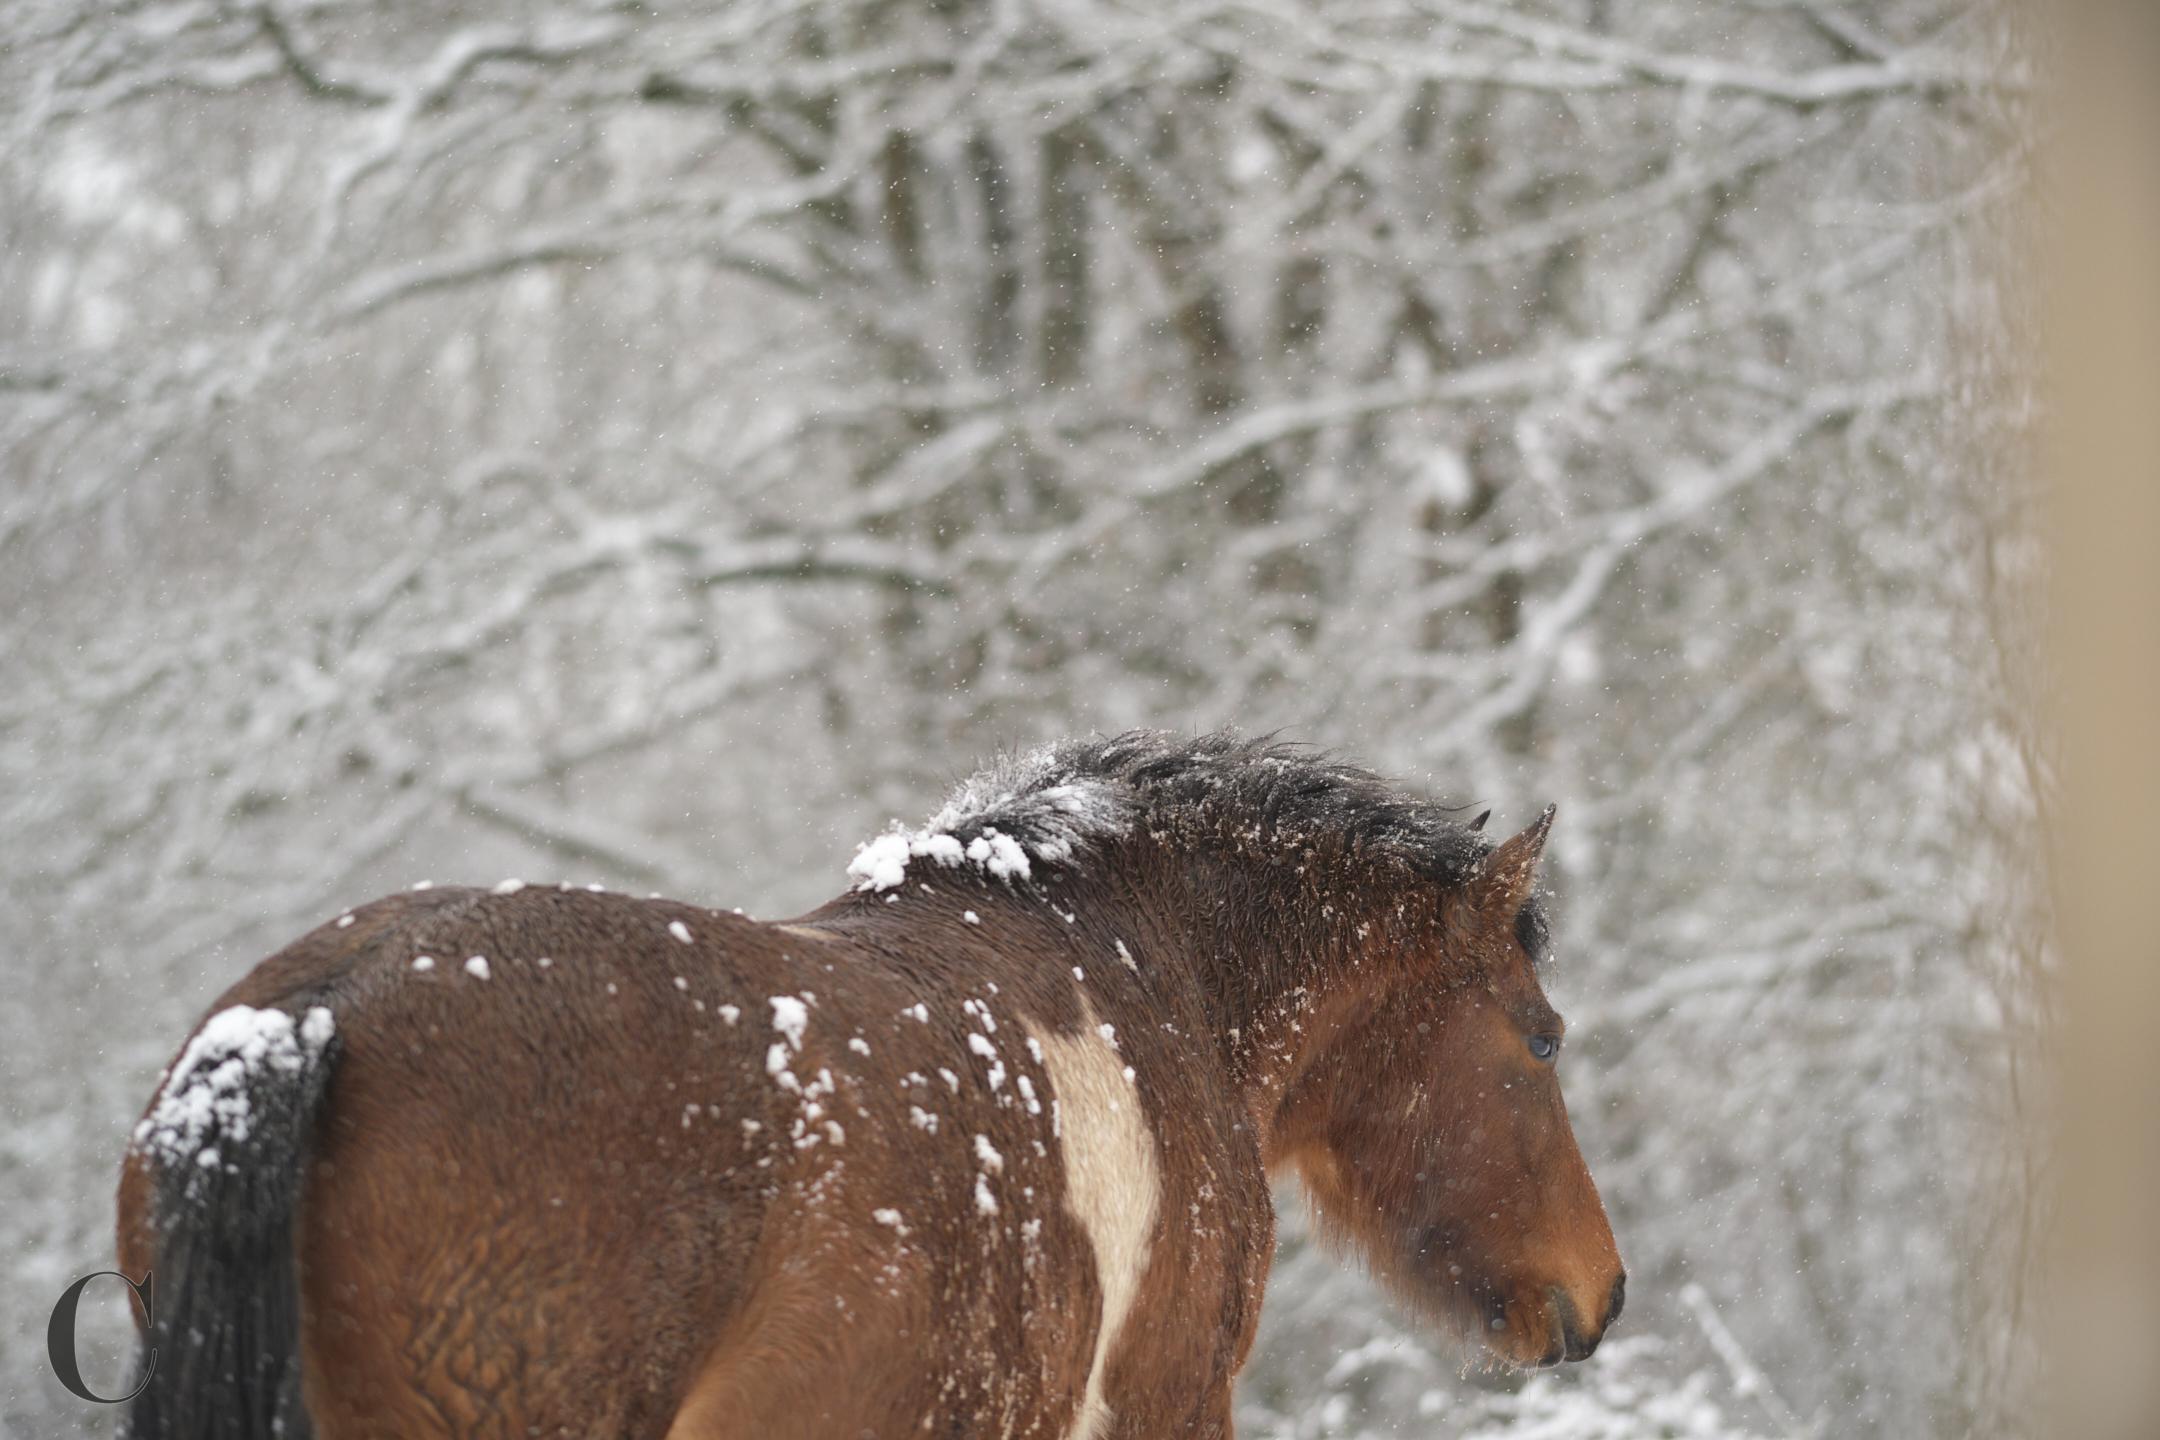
column 968, row 915
column 789, row 1017
column 859, row 1045
column 477, row 967
column 423, row 963
column 984, row 1200
column 343, row 921
column 1126, row 956
column 890, row 1219
column 679, row 930
column 1000, row 853
column 981, row 1046
column 776, row 1065
column 1061, row 817
column 919, row 1011
column 206, row 1099
column 509, row 887
column 882, row 863
column 730, row 1013
column 987, row 1154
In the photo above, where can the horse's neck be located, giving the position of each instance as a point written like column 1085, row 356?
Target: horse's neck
column 1272, row 959
column 1271, row 962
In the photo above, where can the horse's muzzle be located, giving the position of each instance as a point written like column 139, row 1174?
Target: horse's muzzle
column 1577, row 1341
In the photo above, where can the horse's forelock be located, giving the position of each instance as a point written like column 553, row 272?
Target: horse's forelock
column 1533, row 928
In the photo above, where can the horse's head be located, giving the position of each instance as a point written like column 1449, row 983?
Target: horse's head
column 1431, row 1133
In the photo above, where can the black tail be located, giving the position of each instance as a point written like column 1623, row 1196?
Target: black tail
column 229, row 1138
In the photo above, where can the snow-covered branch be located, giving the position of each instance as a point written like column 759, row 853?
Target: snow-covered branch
column 666, row 441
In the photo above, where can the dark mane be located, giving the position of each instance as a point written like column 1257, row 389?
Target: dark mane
column 1256, row 796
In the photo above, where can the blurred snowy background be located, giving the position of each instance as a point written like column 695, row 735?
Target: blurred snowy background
column 659, row 442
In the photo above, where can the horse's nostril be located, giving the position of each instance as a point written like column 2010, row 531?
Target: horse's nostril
column 1574, row 1344
column 1619, row 1298
column 1570, row 1343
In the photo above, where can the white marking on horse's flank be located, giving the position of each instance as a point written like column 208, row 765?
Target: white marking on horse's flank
column 1112, row 1183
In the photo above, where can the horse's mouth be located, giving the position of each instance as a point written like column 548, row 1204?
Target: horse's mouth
column 1517, row 1327
column 1515, row 1341
column 1461, row 1295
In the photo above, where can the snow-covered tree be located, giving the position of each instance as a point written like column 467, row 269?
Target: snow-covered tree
column 660, row 441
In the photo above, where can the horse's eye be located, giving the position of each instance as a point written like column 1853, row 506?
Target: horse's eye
column 1544, row 1046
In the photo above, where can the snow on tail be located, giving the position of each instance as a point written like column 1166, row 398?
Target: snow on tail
column 228, row 1140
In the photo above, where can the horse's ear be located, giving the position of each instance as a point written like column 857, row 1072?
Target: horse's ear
column 1505, row 878
column 1482, row 817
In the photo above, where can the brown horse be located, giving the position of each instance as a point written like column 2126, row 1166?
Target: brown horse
column 980, row 1148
